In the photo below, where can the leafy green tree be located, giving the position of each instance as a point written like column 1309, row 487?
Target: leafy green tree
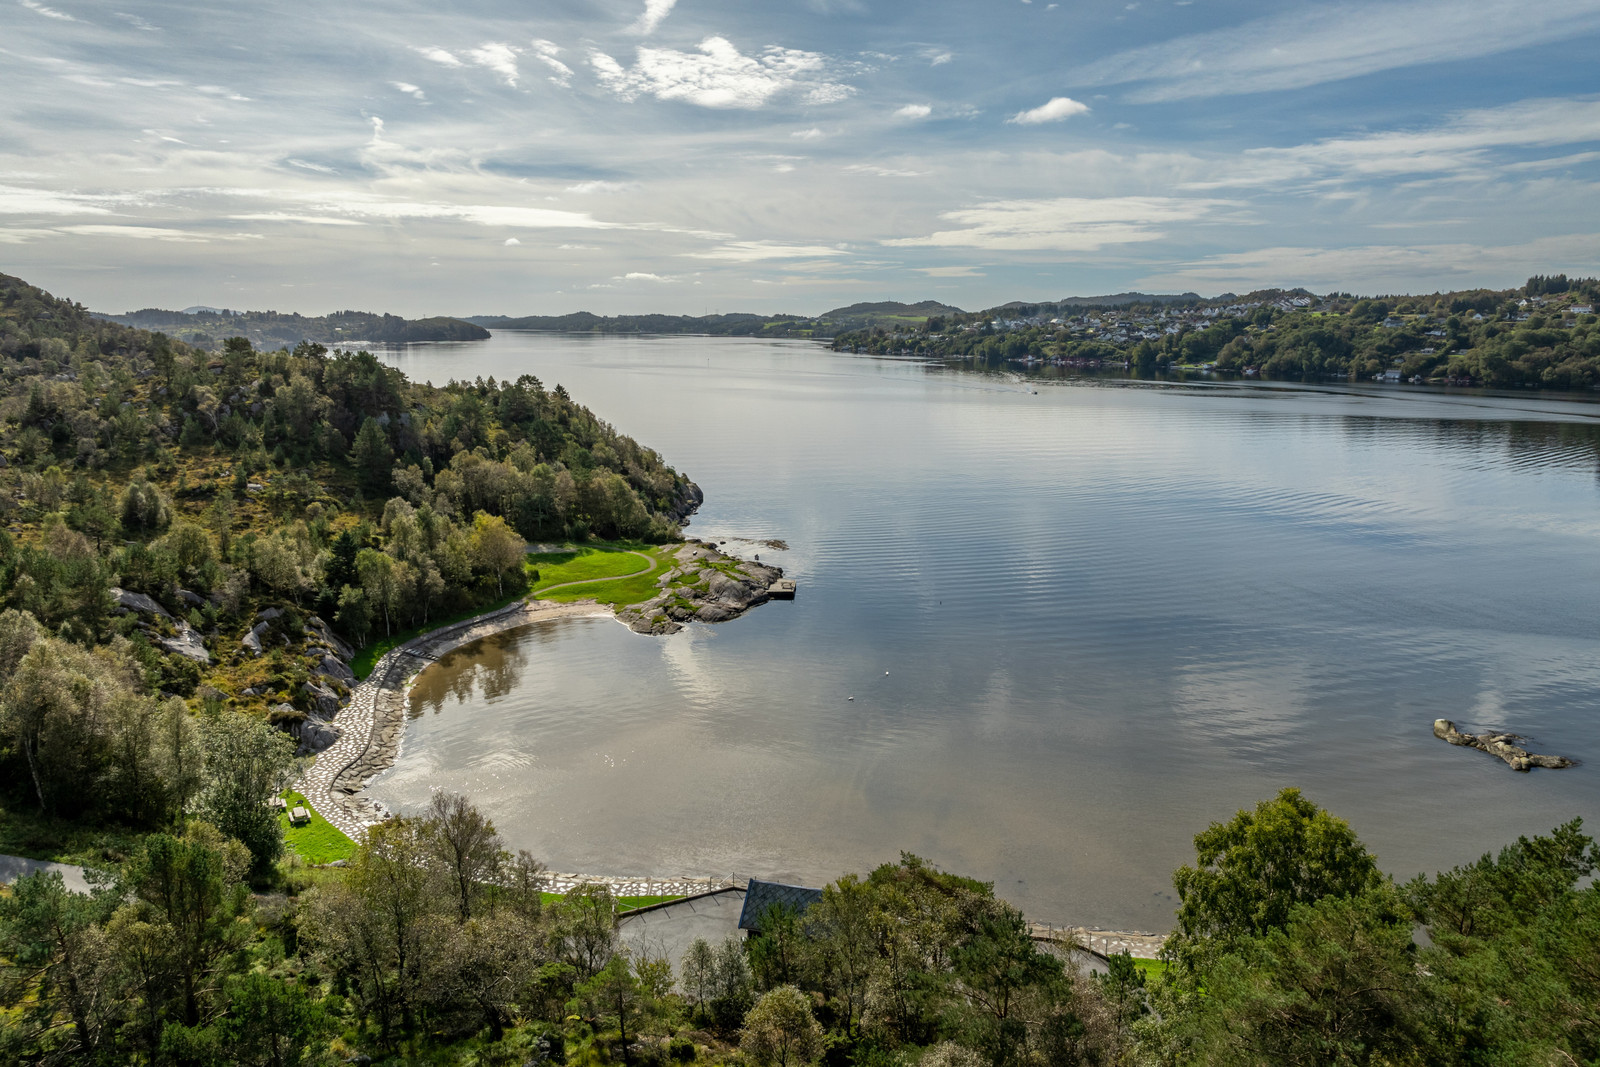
column 842, row 929
column 613, row 993
column 371, row 452
column 781, row 1031
column 1337, row 984
column 190, row 890
column 60, row 968
column 1254, row 869
column 466, row 848
column 586, row 927
column 247, row 761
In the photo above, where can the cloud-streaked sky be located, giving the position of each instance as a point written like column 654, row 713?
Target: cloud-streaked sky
column 546, row 156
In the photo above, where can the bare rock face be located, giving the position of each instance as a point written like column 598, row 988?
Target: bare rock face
column 186, row 643
column 316, row 735
column 1503, row 745
column 192, row 599
column 325, row 699
column 138, row 602
column 336, row 668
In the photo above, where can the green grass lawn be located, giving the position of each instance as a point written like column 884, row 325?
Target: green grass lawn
column 598, row 568
column 319, row 841
column 1152, row 969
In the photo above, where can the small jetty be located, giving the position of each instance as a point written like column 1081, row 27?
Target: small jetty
column 782, row 589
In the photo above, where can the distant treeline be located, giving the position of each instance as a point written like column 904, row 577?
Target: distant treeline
column 271, row 329
column 1541, row 335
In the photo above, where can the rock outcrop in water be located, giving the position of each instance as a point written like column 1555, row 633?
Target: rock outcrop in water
column 1503, row 745
column 705, row 586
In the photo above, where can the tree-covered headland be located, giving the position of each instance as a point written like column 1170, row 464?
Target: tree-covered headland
column 1543, row 335
column 217, row 529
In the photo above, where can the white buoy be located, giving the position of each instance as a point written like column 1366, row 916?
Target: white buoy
column 849, row 698
column 886, row 674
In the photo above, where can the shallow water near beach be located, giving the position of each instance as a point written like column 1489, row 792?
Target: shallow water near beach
column 1078, row 624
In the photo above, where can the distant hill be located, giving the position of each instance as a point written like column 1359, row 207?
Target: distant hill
column 208, row 327
column 886, row 313
column 734, row 325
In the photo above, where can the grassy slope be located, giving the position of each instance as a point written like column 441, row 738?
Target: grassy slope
column 597, row 567
column 319, row 841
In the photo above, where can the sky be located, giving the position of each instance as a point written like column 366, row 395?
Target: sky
column 694, row 156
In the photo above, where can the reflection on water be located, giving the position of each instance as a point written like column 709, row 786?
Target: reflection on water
column 1108, row 614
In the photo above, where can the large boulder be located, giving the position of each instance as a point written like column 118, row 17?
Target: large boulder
column 316, row 736
column 137, row 602
column 325, row 699
column 192, row 599
column 186, row 643
column 336, row 668
column 326, row 635
column 252, row 640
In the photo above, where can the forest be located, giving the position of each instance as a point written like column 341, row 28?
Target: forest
column 1539, row 336
column 208, row 329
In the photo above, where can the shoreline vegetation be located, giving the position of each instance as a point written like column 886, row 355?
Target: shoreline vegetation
column 1543, row 335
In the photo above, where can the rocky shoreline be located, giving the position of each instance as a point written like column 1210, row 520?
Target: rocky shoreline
column 703, row 586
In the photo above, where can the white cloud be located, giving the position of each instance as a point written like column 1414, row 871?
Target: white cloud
column 643, row 276
column 154, row 233
column 512, row 241
column 500, row 58
column 47, row 12
column 1055, row 110
column 546, row 53
column 407, row 87
column 950, row 272
column 136, row 22
column 1387, row 268
column 602, row 187
column 1459, row 144
column 654, row 12
column 281, row 216
column 304, row 164
column 806, row 135
column 20, row 200
column 1331, row 42
column 914, row 111
column 759, row 251
column 720, row 76
column 1064, row 224
column 883, row 172
column 439, row 55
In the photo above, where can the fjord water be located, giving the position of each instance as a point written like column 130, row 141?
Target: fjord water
column 1078, row 625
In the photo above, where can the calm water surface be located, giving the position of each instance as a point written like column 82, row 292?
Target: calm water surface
column 1078, row 625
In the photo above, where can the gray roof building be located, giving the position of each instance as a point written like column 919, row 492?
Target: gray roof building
column 762, row 895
